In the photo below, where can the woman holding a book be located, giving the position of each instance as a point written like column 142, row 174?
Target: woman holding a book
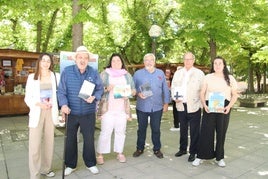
column 218, row 95
column 40, row 97
column 119, row 86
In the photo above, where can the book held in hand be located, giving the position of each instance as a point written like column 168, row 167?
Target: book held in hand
column 121, row 91
column 46, row 96
column 86, row 89
column 216, row 102
column 146, row 90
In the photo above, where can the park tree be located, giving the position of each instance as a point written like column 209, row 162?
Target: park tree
column 13, row 32
column 77, row 27
column 207, row 26
column 237, row 30
column 34, row 25
column 251, row 24
column 123, row 26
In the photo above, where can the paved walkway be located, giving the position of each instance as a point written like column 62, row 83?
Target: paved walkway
column 246, row 151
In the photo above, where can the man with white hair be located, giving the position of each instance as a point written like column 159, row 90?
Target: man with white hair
column 81, row 112
column 188, row 80
column 151, row 103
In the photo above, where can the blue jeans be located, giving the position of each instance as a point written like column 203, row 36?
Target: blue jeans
column 87, row 128
column 155, row 121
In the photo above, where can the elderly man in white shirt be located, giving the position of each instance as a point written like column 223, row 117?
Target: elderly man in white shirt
column 185, row 89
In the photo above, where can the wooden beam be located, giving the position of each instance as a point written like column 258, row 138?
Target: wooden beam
column 14, row 54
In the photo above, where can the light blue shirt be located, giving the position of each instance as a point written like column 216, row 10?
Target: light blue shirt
column 158, row 84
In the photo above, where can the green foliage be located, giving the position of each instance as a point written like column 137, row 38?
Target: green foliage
column 239, row 28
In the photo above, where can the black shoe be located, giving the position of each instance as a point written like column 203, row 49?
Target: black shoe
column 158, row 154
column 137, row 153
column 191, row 158
column 180, row 153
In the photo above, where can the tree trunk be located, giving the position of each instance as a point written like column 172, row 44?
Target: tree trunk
column 258, row 78
column 250, row 76
column 264, row 79
column 50, row 30
column 77, row 29
column 38, row 36
column 213, row 48
column 14, row 27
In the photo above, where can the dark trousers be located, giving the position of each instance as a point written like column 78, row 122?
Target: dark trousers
column 87, row 128
column 176, row 119
column 155, row 121
column 192, row 120
column 211, row 123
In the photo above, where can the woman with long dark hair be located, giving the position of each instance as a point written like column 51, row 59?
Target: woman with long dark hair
column 219, row 83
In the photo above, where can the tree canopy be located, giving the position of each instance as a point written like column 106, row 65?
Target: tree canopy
column 236, row 30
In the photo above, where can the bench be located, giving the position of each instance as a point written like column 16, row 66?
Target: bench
column 252, row 103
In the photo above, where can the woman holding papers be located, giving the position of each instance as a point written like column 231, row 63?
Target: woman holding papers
column 118, row 87
column 40, row 97
column 218, row 94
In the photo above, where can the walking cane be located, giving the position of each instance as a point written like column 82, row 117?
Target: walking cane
column 64, row 148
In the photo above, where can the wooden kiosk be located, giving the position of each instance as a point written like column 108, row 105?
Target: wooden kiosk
column 16, row 65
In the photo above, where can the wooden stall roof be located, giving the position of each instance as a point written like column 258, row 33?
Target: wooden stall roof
column 11, row 53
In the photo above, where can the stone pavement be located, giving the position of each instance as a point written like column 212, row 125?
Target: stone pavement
column 246, row 152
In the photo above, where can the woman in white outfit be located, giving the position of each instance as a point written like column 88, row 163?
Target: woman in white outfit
column 40, row 97
column 115, row 119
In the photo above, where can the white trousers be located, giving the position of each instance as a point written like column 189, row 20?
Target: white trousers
column 112, row 121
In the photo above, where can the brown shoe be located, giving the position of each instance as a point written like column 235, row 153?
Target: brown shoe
column 158, row 154
column 137, row 153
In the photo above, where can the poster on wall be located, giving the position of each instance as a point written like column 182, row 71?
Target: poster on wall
column 67, row 59
column 6, row 63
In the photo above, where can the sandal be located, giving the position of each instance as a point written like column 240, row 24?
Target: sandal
column 121, row 158
column 100, row 160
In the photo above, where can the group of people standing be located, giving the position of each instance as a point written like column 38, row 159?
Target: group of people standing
column 195, row 92
column 46, row 90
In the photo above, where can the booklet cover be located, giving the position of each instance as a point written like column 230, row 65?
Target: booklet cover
column 216, row 102
column 121, row 91
column 86, row 89
column 45, row 95
column 177, row 93
column 146, row 90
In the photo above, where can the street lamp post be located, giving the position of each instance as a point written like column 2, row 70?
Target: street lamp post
column 154, row 32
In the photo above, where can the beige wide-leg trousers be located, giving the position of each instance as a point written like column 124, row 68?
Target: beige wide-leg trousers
column 41, row 145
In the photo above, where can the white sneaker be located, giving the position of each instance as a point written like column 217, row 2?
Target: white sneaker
column 221, row 163
column 49, row 174
column 68, row 171
column 93, row 170
column 196, row 162
column 174, row 129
